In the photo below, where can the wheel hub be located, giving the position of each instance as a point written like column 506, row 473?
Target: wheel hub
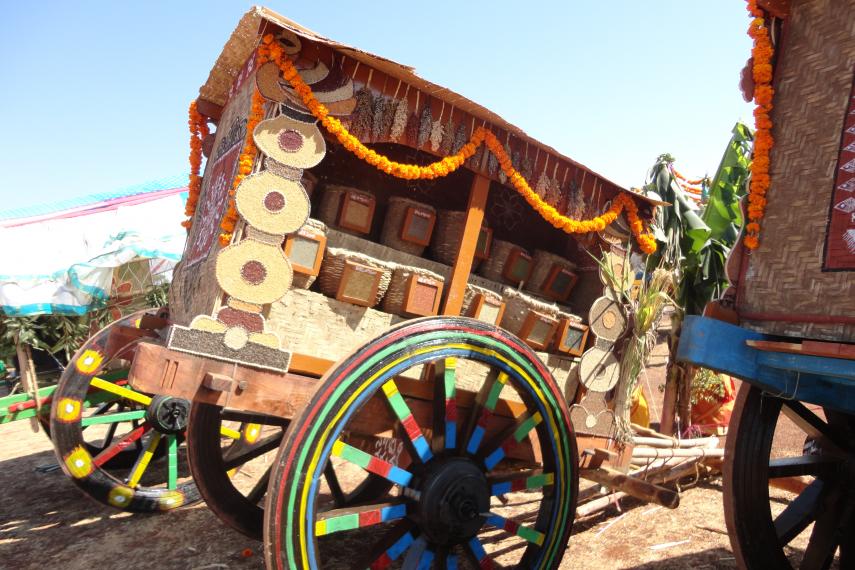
column 168, row 415
column 454, row 496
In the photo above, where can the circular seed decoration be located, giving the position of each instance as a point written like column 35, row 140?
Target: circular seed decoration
column 254, row 272
column 290, row 140
column 606, row 319
column 272, row 204
column 599, row 369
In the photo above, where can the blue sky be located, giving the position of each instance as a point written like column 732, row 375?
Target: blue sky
column 94, row 94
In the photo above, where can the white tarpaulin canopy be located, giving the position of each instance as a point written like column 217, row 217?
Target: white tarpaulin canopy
column 62, row 262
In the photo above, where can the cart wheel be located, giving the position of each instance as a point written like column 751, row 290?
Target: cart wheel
column 231, row 455
column 817, row 478
column 121, row 447
column 447, row 497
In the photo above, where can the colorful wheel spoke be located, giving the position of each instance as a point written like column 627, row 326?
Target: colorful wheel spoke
column 231, row 433
column 405, row 415
column 537, row 481
column 113, row 418
column 391, row 547
column 372, row 464
column 114, row 449
column 476, row 550
column 451, row 562
column 445, row 405
column 479, row 416
column 339, row 520
column 120, row 391
column 521, row 429
column 419, row 556
column 144, row 459
column 512, row 527
column 172, row 461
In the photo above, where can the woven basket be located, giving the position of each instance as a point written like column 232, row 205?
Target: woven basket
column 333, row 266
column 542, row 263
column 472, row 291
column 301, row 280
column 799, row 281
column 447, row 237
column 393, row 226
column 517, row 307
column 396, row 295
column 495, row 265
column 330, row 205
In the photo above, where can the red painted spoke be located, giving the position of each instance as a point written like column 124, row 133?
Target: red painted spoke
column 408, row 421
column 444, row 405
column 372, row 464
column 480, row 413
column 120, row 445
column 475, row 550
column 389, row 548
column 513, row 434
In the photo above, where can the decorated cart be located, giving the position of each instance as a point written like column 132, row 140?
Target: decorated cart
column 787, row 325
column 407, row 323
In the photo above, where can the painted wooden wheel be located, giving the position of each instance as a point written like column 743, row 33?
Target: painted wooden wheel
column 121, row 447
column 231, row 455
column 477, row 417
column 788, row 475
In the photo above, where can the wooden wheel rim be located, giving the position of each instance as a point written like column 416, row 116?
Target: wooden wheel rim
column 753, row 533
column 290, row 517
column 71, row 449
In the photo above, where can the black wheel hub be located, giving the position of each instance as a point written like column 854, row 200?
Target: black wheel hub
column 455, row 496
column 168, row 415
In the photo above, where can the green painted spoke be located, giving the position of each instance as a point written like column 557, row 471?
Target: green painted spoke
column 112, row 418
column 172, row 461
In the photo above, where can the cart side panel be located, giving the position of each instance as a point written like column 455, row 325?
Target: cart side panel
column 194, row 289
column 793, row 284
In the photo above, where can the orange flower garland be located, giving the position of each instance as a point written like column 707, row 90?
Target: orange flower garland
column 271, row 51
column 245, row 161
column 684, row 179
column 763, row 92
column 198, row 131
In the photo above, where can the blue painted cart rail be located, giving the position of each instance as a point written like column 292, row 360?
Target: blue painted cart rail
column 814, row 379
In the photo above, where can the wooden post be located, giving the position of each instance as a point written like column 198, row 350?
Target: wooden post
column 471, row 230
column 27, row 372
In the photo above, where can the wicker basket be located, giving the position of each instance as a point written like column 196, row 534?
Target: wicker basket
column 495, row 266
column 302, row 280
column 329, row 209
column 333, row 266
column 517, row 307
column 472, row 291
column 396, row 295
column 447, row 237
column 393, row 226
column 542, row 264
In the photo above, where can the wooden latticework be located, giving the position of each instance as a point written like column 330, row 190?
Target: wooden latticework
column 783, row 288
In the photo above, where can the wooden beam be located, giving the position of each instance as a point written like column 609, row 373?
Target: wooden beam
column 471, row 230
column 632, row 486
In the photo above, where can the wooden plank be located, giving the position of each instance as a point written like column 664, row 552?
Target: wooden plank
column 309, row 365
column 463, row 264
column 808, row 348
column 157, row 369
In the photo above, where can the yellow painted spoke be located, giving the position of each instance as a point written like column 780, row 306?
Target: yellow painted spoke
column 143, row 461
column 228, row 432
column 120, row 391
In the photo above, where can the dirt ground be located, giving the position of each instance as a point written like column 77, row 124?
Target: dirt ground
column 46, row 522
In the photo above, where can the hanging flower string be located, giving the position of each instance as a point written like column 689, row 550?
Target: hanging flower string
column 245, row 161
column 761, row 54
column 684, row 179
column 198, row 131
column 271, row 51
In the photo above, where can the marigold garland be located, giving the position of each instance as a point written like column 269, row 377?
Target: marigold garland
column 245, row 162
column 269, row 50
column 761, row 54
column 198, row 131
column 684, row 179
